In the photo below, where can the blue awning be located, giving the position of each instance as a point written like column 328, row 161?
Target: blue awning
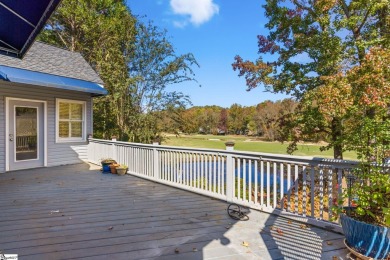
column 49, row 80
column 20, row 22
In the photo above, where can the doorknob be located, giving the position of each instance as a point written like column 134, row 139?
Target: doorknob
column 11, row 137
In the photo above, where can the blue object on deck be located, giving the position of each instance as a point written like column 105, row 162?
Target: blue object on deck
column 369, row 240
column 48, row 80
column 106, row 168
column 20, row 22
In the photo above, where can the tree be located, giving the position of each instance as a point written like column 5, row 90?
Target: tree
column 236, row 122
column 104, row 33
column 370, row 135
column 135, row 61
column 190, row 121
column 223, row 121
column 154, row 65
column 313, row 41
column 270, row 115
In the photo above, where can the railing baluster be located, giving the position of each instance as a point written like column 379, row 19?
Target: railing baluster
column 140, row 161
column 256, row 185
column 161, row 164
column 262, row 183
column 296, row 183
column 169, row 166
column 175, row 169
column 321, row 192
column 219, row 168
column 339, row 185
column 281, row 186
column 223, row 175
column 312, row 190
column 209, row 180
column 244, row 165
column 148, row 171
column 197, row 170
column 150, row 164
column 250, row 180
column 201, row 171
column 214, row 173
column 136, row 161
column 187, row 168
column 268, row 184
column 288, row 187
column 330, row 192
column 238, row 178
column 186, row 165
column 275, row 168
column 179, row 169
column 191, row 173
column 304, row 192
column 182, row 168
column 145, row 155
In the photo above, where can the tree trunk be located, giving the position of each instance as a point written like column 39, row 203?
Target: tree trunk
column 336, row 136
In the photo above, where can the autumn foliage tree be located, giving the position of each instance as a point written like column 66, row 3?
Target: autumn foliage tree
column 369, row 114
column 313, row 44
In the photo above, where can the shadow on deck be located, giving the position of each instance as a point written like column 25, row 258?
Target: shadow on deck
column 76, row 212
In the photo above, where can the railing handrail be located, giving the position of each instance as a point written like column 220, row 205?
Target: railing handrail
column 305, row 160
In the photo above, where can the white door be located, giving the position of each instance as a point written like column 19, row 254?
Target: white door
column 25, row 134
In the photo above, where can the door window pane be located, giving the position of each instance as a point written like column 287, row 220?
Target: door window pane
column 26, row 141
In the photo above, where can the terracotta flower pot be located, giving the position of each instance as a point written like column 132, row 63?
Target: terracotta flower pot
column 113, row 168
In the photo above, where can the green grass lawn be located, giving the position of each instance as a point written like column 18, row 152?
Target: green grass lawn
column 242, row 144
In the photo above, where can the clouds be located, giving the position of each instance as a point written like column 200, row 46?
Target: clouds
column 197, row 12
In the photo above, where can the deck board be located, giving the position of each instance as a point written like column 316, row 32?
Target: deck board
column 76, row 212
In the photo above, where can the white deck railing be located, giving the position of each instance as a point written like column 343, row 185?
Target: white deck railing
column 300, row 187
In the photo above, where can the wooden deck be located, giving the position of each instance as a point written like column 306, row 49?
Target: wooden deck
column 73, row 212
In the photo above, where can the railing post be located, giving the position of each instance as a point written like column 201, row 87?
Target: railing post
column 89, row 149
column 229, row 173
column 156, row 173
column 114, row 148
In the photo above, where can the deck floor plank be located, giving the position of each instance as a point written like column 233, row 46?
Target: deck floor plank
column 76, row 212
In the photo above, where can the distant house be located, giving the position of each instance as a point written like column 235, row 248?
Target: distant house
column 45, row 107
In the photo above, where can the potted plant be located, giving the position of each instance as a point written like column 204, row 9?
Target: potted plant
column 106, row 164
column 113, row 167
column 121, row 169
column 366, row 225
column 366, row 220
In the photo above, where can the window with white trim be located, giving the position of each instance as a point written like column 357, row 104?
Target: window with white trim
column 70, row 120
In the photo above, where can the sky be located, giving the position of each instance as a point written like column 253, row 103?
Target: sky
column 214, row 31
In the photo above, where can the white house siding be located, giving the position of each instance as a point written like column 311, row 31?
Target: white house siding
column 57, row 153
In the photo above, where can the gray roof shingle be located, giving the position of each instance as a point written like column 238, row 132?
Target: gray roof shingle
column 53, row 60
